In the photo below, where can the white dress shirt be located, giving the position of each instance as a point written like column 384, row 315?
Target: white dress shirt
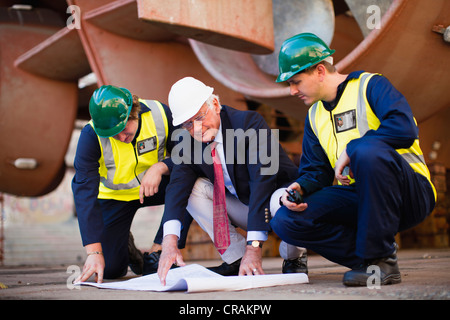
column 174, row 226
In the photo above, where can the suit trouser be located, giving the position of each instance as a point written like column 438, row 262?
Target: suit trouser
column 350, row 224
column 200, row 206
column 117, row 219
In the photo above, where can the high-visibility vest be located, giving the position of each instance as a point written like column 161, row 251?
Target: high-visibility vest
column 351, row 119
column 123, row 165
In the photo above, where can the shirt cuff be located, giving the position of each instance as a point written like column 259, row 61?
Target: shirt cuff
column 172, row 227
column 257, row 235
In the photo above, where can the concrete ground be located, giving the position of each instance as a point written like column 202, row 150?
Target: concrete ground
column 425, row 276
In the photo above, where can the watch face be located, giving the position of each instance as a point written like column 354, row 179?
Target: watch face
column 255, row 244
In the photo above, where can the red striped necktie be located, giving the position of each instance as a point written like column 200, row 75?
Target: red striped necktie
column 220, row 217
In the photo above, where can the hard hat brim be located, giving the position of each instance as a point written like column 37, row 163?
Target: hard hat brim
column 196, row 106
column 287, row 75
column 108, row 133
column 110, row 108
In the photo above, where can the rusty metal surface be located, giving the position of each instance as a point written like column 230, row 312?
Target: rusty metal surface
column 291, row 17
column 144, row 45
column 244, row 25
column 36, row 116
column 40, row 70
column 405, row 50
column 63, row 54
column 147, row 68
column 120, row 17
column 410, row 54
column 434, row 138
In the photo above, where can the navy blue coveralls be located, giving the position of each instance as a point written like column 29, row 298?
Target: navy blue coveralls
column 350, row 224
column 108, row 221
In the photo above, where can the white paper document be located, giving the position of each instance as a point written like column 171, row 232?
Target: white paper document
column 196, row 278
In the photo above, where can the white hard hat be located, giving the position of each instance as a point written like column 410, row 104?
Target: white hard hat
column 186, row 97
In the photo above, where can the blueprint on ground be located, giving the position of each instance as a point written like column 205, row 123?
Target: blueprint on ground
column 196, row 278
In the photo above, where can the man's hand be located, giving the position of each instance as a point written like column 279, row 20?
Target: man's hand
column 95, row 264
column 251, row 263
column 291, row 205
column 170, row 254
column 151, row 180
column 341, row 163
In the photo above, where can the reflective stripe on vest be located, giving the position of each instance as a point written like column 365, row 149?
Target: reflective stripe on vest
column 122, row 166
column 351, row 119
column 162, row 128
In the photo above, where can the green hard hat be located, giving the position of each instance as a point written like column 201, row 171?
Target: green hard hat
column 110, row 107
column 300, row 52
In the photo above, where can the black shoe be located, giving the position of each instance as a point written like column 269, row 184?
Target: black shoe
column 151, row 261
column 388, row 270
column 136, row 260
column 298, row 265
column 226, row 269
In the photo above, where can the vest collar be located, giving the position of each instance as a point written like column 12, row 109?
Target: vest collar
column 144, row 109
column 329, row 106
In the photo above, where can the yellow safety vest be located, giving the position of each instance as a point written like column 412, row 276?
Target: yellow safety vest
column 352, row 118
column 122, row 165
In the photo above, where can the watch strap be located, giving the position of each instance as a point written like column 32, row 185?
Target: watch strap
column 255, row 243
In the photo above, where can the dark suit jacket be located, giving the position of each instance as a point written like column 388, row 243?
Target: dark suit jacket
column 252, row 188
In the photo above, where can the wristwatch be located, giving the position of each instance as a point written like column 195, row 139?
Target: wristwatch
column 255, row 243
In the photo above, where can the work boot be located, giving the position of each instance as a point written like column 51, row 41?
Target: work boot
column 151, row 261
column 389, row 272
column 136, row 260
column 297, row 265
column 226, row 269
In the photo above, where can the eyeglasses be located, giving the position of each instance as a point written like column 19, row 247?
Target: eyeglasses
column 188, row 125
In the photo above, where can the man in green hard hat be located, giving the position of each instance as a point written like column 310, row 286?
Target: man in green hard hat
column 360, row 131
column 122, row 164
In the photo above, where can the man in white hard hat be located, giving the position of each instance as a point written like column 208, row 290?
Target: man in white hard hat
column 228, row 185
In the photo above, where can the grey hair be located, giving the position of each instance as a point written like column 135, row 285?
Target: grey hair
column 210, row 101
